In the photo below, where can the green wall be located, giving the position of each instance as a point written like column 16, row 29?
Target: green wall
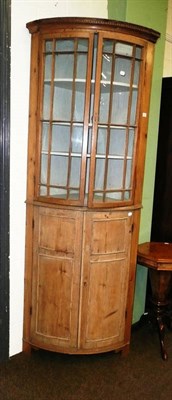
column 117, row 9
column 153, row 14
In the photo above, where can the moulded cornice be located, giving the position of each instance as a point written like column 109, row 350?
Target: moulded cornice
column 95, row 24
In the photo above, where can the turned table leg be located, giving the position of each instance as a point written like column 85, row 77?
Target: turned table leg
column 161, row 284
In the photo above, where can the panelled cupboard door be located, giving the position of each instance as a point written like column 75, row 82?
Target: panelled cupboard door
column 56, row 278
column 106, row 262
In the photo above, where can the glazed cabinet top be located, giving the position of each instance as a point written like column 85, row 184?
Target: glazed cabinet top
column 89, row 101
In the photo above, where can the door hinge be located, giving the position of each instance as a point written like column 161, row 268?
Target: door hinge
column 31, row 310
column 33, row 223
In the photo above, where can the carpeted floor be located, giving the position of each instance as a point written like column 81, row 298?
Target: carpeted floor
column 142, row 375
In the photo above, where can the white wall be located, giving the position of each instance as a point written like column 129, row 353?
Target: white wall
column 24, row 11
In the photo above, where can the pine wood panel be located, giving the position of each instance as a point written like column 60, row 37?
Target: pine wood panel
column 106, row 262
column 54, row 283
column 56, row 278
column 56, row 239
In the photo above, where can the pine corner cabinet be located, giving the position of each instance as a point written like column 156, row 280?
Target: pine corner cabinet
column 89, row 100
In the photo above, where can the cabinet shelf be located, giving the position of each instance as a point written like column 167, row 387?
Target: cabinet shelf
column 90, row 125
column 68, row 82
column 60, row 153
column 100, row 156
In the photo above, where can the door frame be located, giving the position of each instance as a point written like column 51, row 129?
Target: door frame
column 5, row 42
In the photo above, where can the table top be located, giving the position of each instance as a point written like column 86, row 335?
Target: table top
column 157, row 255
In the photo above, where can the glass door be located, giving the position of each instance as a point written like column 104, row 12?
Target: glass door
column 64, row 117
column 88, row 119
column 115, row 123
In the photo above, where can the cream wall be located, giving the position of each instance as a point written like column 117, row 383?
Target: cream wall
column 167, row 70
column 22, row 12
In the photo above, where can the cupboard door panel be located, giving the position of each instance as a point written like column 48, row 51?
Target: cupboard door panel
column 56, row 238
column 103, row 238
column 106, row 287
column 56, row 278
column 54, row 296
column 107, row 238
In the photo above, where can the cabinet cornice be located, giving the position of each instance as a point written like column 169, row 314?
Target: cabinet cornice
column 43, row 25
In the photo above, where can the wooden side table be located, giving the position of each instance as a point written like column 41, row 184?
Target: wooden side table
column 157, row 257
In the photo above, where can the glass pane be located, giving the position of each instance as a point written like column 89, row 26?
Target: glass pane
column 48, row 67
column 99, row 175
column 117, row 142
column 43, row 191
column 128, row 174
column 57, row 192
column 79, row 102
column 64, row 66
column 74, row 194
column 83, row 45
column 44, row 168
column 45, row 136
column 87, row 175
column 94, row 58
column 60, row 138
column 133, row 107
column 91, row 104
column 48, row 46
column 136, row 73
column 122, row 71
column 120, row 105
column 75, row 171
column 115, row 174
column 46, row 101
column 88, row 160
column 81, row 66
column 106, row 68
column 124, row 49
column 104, row 103
column 77, row 135
column 62, row 101
column 138, row 52
column 98, row 196
column 59, row 170
column 108, row 46
column 89, row 141
column 101, row 141
column 113, row 196
column 127, row 195
column 131, row 142
column 65, row 45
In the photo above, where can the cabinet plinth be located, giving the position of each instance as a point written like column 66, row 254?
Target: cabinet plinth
column 89, row 101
